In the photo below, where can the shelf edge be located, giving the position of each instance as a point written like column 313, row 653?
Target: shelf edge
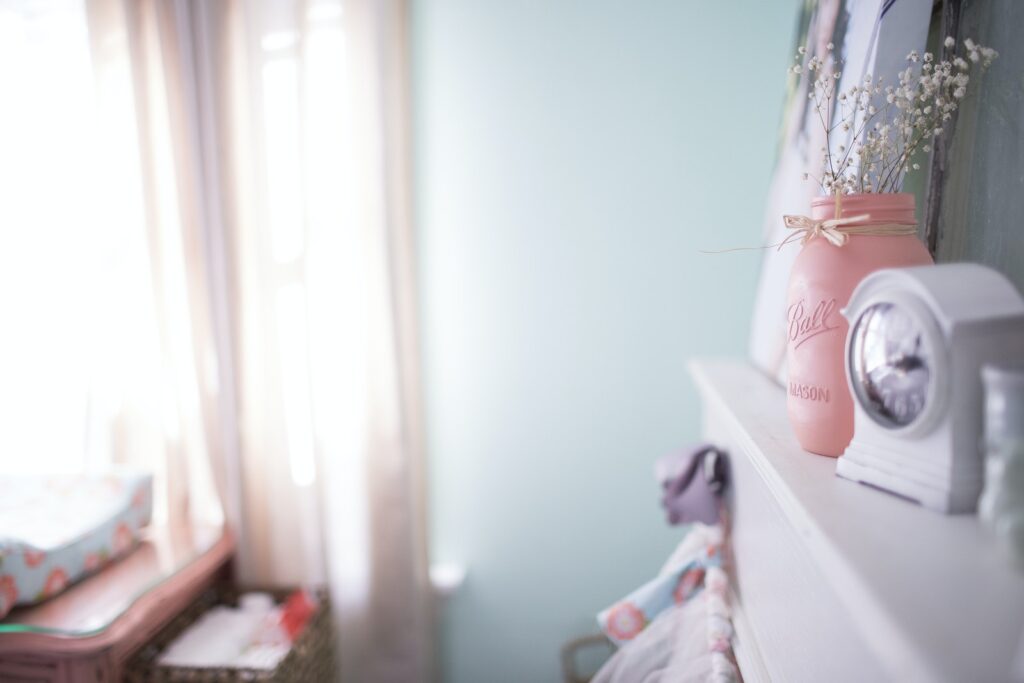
column 898, row 655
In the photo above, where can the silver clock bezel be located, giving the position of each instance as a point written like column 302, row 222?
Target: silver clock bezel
column 935, row 400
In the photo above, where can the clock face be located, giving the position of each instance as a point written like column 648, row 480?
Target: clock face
column 890, row 365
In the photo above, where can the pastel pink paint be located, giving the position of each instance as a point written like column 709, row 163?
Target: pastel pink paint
column 823, row 278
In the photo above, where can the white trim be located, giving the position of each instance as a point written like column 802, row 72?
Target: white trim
column 744, row 645
column 928, row 595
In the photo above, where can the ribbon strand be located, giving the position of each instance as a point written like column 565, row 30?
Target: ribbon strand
column 836, row 230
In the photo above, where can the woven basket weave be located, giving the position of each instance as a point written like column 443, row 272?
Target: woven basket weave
column 310, row 660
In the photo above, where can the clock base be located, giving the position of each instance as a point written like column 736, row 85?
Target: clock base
column 895, row 477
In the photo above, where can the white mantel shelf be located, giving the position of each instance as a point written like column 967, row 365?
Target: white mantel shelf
column 927, row 594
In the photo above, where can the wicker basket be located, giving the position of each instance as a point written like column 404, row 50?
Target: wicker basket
column 311, row 658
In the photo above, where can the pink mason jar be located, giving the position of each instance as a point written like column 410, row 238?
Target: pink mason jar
column 823, row 277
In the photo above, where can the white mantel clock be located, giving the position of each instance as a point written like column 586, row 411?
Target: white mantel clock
column 918, row 338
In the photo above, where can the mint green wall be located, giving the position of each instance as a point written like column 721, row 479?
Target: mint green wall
column 572, row 157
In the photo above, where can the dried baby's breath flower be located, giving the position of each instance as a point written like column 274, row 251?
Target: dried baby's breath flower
column 883, row 126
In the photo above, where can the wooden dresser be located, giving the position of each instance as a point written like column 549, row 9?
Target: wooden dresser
column 88, row 633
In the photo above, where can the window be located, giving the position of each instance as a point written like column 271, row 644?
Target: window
column 79, row 328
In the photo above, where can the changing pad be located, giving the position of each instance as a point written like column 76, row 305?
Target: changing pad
column 56, row 529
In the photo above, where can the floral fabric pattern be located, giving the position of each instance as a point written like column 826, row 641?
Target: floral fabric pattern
column 8, row 593
column 56, row 581
column 625, row 620
column 123, row 538
column 55, row 530
column 688, row 584
column 682, row 578
column 34, row 558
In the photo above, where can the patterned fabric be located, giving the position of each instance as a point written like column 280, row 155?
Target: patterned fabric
column 55, row 530
column 680, row 579
column 719, row 627
column 690, row 639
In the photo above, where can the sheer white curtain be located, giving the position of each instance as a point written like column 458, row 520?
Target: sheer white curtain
column 328, row 382
column 306, row 103
column 106, row 353
column 215, row 200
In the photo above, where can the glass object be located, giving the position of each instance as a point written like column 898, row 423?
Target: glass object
column 819, row 402
column 91, row 606
column 890, row 364
column 1002, row 501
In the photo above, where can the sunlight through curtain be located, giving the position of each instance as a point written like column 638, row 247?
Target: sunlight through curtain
column 307, row 101
column 108, row 357
column 209, row 206
column 324, row 274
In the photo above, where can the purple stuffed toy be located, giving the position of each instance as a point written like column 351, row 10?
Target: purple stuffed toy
column 693, row 482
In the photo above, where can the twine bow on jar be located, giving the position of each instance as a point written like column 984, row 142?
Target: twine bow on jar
column 837, row 230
